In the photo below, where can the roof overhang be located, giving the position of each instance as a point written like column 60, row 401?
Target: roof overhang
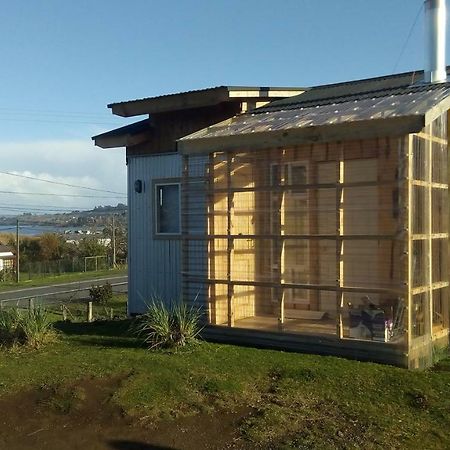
column 199, row 99
column 363, row 129
column 126, row 136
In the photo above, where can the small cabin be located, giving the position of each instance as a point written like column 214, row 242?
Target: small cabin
column 317, row 222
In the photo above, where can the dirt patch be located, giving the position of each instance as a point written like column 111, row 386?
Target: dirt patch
column 82, row 416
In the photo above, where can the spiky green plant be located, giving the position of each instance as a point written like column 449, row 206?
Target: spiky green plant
column 10, row 327
column 168, row 326
column 32, row 328
column 37, row 327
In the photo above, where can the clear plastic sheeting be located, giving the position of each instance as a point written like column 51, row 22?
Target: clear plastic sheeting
column 409, row 101
column 309, row 239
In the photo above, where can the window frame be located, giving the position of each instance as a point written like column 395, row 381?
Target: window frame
column 157, row 184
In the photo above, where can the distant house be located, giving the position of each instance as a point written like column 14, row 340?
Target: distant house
column 7, row 258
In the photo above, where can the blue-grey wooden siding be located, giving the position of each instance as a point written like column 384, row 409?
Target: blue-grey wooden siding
column 154, row 265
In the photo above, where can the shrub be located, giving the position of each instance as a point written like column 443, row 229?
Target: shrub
column 101, row 294
column 169, row 326
column 10, row 330
column 32, row 328
column 37, row 327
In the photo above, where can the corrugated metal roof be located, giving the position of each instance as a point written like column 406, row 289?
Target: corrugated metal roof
column 381, row 104
column 356, row 87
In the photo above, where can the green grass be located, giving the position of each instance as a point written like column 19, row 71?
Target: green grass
column 58, row 279
column 76, row 310
column 297, row 401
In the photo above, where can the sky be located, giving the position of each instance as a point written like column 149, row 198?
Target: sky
column 64, row 61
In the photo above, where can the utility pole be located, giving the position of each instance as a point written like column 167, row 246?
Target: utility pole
column 17, row 253
column 113, row 241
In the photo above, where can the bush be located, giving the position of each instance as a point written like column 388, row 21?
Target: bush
column 169, row 326
column 101, row 294
column 32, row 328
column 10, row 330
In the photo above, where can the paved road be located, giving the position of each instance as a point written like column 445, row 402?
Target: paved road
column 55, row 292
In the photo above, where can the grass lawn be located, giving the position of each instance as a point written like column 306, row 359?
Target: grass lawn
column 41, row 280
column 293, row 400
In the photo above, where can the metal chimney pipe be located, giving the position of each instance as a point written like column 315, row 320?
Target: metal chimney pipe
column 435, row 35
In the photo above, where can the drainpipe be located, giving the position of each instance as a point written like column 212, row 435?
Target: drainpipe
column 435, row 35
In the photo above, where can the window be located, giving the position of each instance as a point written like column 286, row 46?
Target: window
column 167, row 208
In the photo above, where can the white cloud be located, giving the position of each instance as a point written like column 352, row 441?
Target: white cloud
column 75, row 162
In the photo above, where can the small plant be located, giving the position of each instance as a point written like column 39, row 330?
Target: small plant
column 170, row 326
column 37, row 327
column 101, row 294
column 32, row 328
column 10, row 329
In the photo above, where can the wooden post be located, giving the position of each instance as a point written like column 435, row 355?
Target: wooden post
column 211, row 244
column 430, row 226
column 230, row 287
column 339, row 240
column 17, row 253
column 113, row 242
column 64, row 312
column 409, row 242
column 111, row 313
column 30, row 304
column 89, row 312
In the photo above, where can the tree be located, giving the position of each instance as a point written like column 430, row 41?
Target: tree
column 51, row 246
column 90, row 246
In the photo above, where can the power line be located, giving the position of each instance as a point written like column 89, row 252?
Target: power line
column 408, row 37
column 61, row 195
column 12, row 119
column 61, row 184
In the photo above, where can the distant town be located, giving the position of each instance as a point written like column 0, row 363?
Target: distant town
column 78, row 222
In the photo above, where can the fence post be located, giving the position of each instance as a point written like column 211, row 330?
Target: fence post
column 111, row 313
column 30, row 304
column 89, row 312
column 64, row 312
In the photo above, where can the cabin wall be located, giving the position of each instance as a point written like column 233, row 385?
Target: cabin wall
column 166, row 128
column 154, row 268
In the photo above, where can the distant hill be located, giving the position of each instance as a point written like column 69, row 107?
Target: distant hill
column 97, row 217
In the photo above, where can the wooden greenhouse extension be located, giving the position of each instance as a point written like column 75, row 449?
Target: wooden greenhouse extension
column 321, row 224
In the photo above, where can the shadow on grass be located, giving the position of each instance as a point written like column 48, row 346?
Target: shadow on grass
column 110, row 328
column 107, row 333
column 133, row 445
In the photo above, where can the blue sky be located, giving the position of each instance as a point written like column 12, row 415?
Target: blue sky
column 63, row 61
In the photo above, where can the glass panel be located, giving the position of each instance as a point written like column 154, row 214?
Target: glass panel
column 420, row 314
column 168, row 208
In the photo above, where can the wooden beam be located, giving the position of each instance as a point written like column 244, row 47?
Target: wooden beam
column 429, row 167
column 211, row 244
column 321, row 287
column 339, row 241
column 230, row 294
column 409, row 209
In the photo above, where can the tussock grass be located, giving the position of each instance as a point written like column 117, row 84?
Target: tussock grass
column 168, row 326
column 32, row 328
